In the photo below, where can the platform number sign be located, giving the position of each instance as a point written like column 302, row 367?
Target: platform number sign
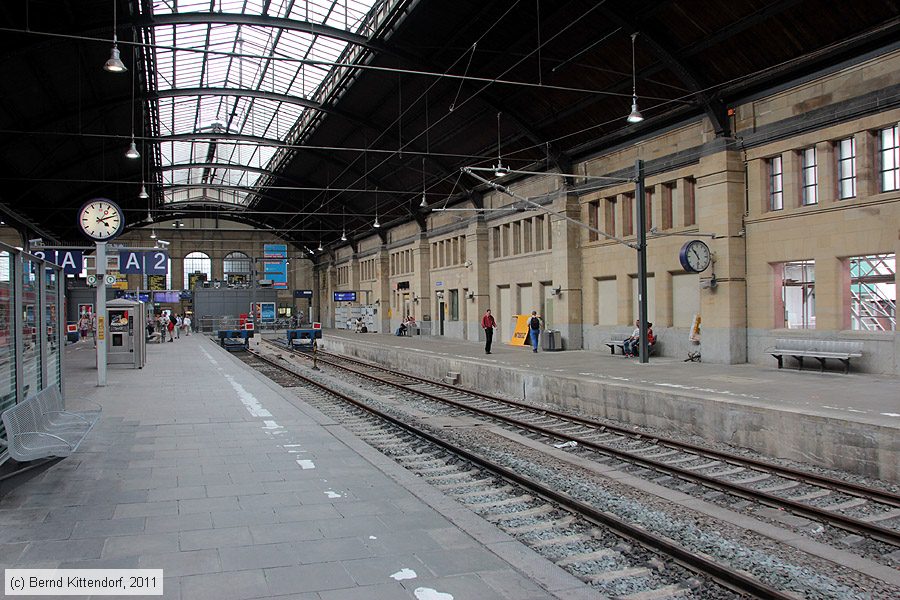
column 70, row 260
column 155, row 262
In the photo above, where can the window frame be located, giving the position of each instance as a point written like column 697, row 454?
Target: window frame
column 776, row 182
column 809, row 176
column 846, row 167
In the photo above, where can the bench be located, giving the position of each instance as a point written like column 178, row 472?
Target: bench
column 39, row 427
column 620, row 344
column 821, row 350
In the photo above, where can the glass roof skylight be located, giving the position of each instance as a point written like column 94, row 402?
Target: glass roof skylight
column 223, row 110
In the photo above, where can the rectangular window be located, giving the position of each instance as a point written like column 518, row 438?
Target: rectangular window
column 889, row 165
column 776, row 184
column 690, row 202
column 496, row 242
column 627, row 214
column 798, row 294
column 454, row 305
column 873, row 292
column 506, row 240
column 810, row 191
column 648, row 208
column 539, row 233
column 462, row 248
column 549, row 233
column 593, row 220
column 609, row 223
column 846, row 155
column 517, row 237
column 526, row 235
column 667, row 189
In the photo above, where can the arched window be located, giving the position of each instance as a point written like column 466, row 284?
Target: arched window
column 237, row 268
column 197, row 266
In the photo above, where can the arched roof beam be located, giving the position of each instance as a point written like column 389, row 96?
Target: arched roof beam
column 212, row 18
column 239, row 92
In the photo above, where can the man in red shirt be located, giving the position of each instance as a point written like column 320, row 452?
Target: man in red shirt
column 488, row 324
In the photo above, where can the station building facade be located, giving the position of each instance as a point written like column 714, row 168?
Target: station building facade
column 800, row 208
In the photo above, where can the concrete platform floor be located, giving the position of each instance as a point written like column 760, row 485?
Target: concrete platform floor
column 237, row 489
column 850, row 422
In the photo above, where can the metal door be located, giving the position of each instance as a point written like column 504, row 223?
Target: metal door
column 441, row 315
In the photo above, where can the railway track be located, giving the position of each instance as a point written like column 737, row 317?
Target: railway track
column 547, row 508
column 864, row 511
column 618, row 559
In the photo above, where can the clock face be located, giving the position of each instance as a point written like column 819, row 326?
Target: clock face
column 101, row 219
column 695, row 256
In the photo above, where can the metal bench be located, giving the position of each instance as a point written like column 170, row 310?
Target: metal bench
column 40, row 426
column 620, row 343
column 821, row 350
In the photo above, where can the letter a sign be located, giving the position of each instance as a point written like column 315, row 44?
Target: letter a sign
column 131, row 262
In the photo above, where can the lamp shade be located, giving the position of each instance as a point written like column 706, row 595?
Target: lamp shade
column 635, row 116
column 132, row 151
column 144, row 195
column 114, row 64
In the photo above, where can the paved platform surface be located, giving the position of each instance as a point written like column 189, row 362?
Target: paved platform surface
column 855, row 397
column 237, row 489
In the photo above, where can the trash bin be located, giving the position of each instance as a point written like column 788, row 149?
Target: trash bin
column 551, row 340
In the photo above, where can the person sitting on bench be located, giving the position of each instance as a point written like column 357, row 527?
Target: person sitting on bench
column 632, row 344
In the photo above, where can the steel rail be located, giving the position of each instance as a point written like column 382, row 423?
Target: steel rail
column 849, row 488
column 848, row 523
column 733, row 579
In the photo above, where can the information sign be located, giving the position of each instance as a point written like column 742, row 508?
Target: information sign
column 345, row 296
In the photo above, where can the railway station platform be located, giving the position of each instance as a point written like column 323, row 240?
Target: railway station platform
column 237, row 489
column 849, row 422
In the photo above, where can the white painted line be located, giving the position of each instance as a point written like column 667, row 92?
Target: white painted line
column 247, row 399
column 306, row 464
column 332, row 494
column 271, row 425
column 890, row 415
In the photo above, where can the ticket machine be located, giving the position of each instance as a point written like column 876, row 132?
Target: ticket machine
column 126, row 344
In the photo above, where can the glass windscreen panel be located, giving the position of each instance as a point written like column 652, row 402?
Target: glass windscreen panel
column 32, row 379
column 7, row 339
column 51, row 317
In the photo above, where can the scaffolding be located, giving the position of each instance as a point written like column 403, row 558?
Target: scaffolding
column 873, row 292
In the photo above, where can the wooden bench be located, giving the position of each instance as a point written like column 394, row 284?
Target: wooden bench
column 821, row 350
column 40, row 426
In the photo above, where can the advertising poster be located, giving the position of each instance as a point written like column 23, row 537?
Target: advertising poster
column 85, row 309
column 267, row 312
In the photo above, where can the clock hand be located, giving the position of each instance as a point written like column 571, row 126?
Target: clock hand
column 695, row 253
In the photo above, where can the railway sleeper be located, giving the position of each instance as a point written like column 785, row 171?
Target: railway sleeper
column 755, row 478
column 852, row 503
column 478, row 493
column 706, row 465
column 885, row 516
column 523, row 499
column 586, row 557
column 675, row 590
column 787, row 485
column 520, row 514
column 561, row 540
column 557, row 524
column 455, row 475
column 608, row 576
column 821, row 493
column 485, row 483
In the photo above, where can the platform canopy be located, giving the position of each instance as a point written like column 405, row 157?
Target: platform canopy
column 309, row 118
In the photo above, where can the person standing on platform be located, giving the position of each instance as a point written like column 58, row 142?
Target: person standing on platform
column 534, row 330
column 179, row 323
column 186, row 323
column 171, row 326
column 84, row 325
column 488, row 324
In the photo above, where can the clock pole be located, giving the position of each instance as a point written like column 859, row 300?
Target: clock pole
column 641, row 256
column 101, row 313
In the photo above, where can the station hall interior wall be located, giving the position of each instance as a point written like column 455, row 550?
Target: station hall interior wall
column 726, row 180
